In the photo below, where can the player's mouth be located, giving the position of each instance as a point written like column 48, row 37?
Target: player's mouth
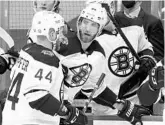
column 87, row 34
column 43, row 8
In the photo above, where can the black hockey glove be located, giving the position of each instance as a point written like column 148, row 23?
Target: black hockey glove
column 147, row 63
column 8, row 60
column 75, row 116
column 133, row 113
column 156, row 78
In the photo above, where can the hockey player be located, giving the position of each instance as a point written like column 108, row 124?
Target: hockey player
column 8, row 59
column 111, row 4
column 120, row 63
column 84, row 62
column 37, row 78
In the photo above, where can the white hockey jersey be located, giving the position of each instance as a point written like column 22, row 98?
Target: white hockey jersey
column 36, row 73
column 120, row 61
column 83, row 69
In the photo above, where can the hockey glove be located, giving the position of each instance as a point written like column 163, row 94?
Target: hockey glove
column 147, row 63
column 75, row 117
column 12, row 57
column 156, row 78
column 132, row 112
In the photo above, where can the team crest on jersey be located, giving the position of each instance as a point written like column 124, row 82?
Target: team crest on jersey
column 79, row 75
column 121, row 62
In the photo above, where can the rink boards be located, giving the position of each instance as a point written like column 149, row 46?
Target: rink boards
column 115, row 120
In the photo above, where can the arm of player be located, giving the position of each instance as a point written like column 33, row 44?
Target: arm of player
column 145, row 51
column 48, row 104
column 43, row 94
column 126, row 109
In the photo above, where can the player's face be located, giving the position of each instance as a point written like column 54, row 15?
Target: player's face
column 45, row 5
column 88, row 30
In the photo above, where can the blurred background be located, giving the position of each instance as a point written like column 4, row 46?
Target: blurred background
column 16, row 16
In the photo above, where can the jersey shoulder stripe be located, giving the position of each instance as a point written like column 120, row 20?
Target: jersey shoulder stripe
column 95, row 46
column 41, row 54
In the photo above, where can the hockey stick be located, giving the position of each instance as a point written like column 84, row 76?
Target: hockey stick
column 120, row 31
column 93, row 92
column 7, row 38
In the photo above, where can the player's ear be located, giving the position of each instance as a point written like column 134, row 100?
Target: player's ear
column 52, row 34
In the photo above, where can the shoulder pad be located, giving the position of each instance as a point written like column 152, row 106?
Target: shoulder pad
column 42, row 54
column 95, row 46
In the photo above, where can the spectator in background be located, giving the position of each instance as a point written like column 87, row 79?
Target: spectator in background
column 133, row 14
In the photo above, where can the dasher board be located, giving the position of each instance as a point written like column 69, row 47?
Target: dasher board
column 115, row 120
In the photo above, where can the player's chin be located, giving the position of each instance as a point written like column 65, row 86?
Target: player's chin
column 86, row 40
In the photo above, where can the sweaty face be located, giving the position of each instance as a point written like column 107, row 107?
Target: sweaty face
column 87, row 30
column 44, row 5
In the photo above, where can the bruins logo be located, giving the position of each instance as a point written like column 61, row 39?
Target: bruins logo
column 77, row 76
column 121, row 62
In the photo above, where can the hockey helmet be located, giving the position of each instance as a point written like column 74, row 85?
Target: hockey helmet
column 96, row 13
column 44, row 21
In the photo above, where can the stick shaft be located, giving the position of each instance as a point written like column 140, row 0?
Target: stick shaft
column 93, row 92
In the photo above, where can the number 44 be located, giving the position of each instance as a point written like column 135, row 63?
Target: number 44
column 17, row 82
column 39, row 75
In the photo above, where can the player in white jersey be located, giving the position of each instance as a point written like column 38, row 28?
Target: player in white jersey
column 34, row 95
column 120, row 62
column 8, row 58
column 84, row 62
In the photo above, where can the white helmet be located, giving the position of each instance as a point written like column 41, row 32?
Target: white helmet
column 49, row 5
column 43, row 21
column 96, row 13
column 111, row 4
